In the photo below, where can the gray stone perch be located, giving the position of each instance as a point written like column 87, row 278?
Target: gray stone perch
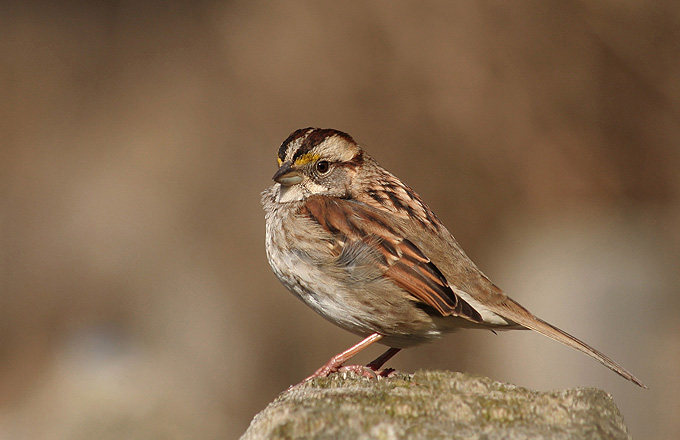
column 435, row 405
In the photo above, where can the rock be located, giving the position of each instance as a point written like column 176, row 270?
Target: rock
column 435, row 405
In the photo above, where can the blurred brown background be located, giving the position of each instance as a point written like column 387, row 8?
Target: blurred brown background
column 136, row 299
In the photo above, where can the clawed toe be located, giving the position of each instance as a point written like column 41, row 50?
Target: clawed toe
column 372, row 370
column 361, row 370
column 368, row 372
column 387, row 372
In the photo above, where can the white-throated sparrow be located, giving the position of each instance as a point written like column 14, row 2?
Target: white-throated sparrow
column 364, row 251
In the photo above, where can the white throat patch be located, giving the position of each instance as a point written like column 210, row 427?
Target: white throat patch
column 295, row 193
column 291, row 193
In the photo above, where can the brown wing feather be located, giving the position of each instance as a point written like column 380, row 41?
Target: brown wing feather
column 401, row 260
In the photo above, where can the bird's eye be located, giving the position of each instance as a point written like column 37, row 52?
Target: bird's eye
column 323, row 166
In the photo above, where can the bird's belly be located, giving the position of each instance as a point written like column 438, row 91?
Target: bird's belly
column 362, row 307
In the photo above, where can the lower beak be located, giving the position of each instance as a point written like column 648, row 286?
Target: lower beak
column 287, row 176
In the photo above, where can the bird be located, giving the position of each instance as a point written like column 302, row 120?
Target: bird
column 363, row 250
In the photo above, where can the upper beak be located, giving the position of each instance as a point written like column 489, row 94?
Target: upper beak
column 287, row 176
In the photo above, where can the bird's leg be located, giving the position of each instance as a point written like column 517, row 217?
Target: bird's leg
column 372, row 370
column 380, row 361
column 336, row 361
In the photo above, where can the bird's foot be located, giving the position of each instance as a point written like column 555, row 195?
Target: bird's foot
column 368, row 371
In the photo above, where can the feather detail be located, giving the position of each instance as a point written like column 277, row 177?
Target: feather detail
column 400, row 260
column 523, row 317
column 391, row 195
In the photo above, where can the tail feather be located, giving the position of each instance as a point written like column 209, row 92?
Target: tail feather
column 546, row 329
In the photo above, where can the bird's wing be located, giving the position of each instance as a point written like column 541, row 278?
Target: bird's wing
column 398, row 258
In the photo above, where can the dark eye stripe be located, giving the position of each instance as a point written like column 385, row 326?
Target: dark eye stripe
column 290, row 139
column 316, row 137
column 311, row 138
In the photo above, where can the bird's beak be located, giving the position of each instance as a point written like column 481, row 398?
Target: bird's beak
column 286, row 175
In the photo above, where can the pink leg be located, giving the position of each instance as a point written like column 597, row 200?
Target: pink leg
column 372, row 370
column 336, row 361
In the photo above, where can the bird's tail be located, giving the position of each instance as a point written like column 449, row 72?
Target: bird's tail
column 538, row 325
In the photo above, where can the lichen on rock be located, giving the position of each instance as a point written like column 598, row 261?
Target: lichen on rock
column 435, row 405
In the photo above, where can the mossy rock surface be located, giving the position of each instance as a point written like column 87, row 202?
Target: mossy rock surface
column 435, row 405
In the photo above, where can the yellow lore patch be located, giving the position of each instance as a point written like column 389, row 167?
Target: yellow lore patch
column 306, row 158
